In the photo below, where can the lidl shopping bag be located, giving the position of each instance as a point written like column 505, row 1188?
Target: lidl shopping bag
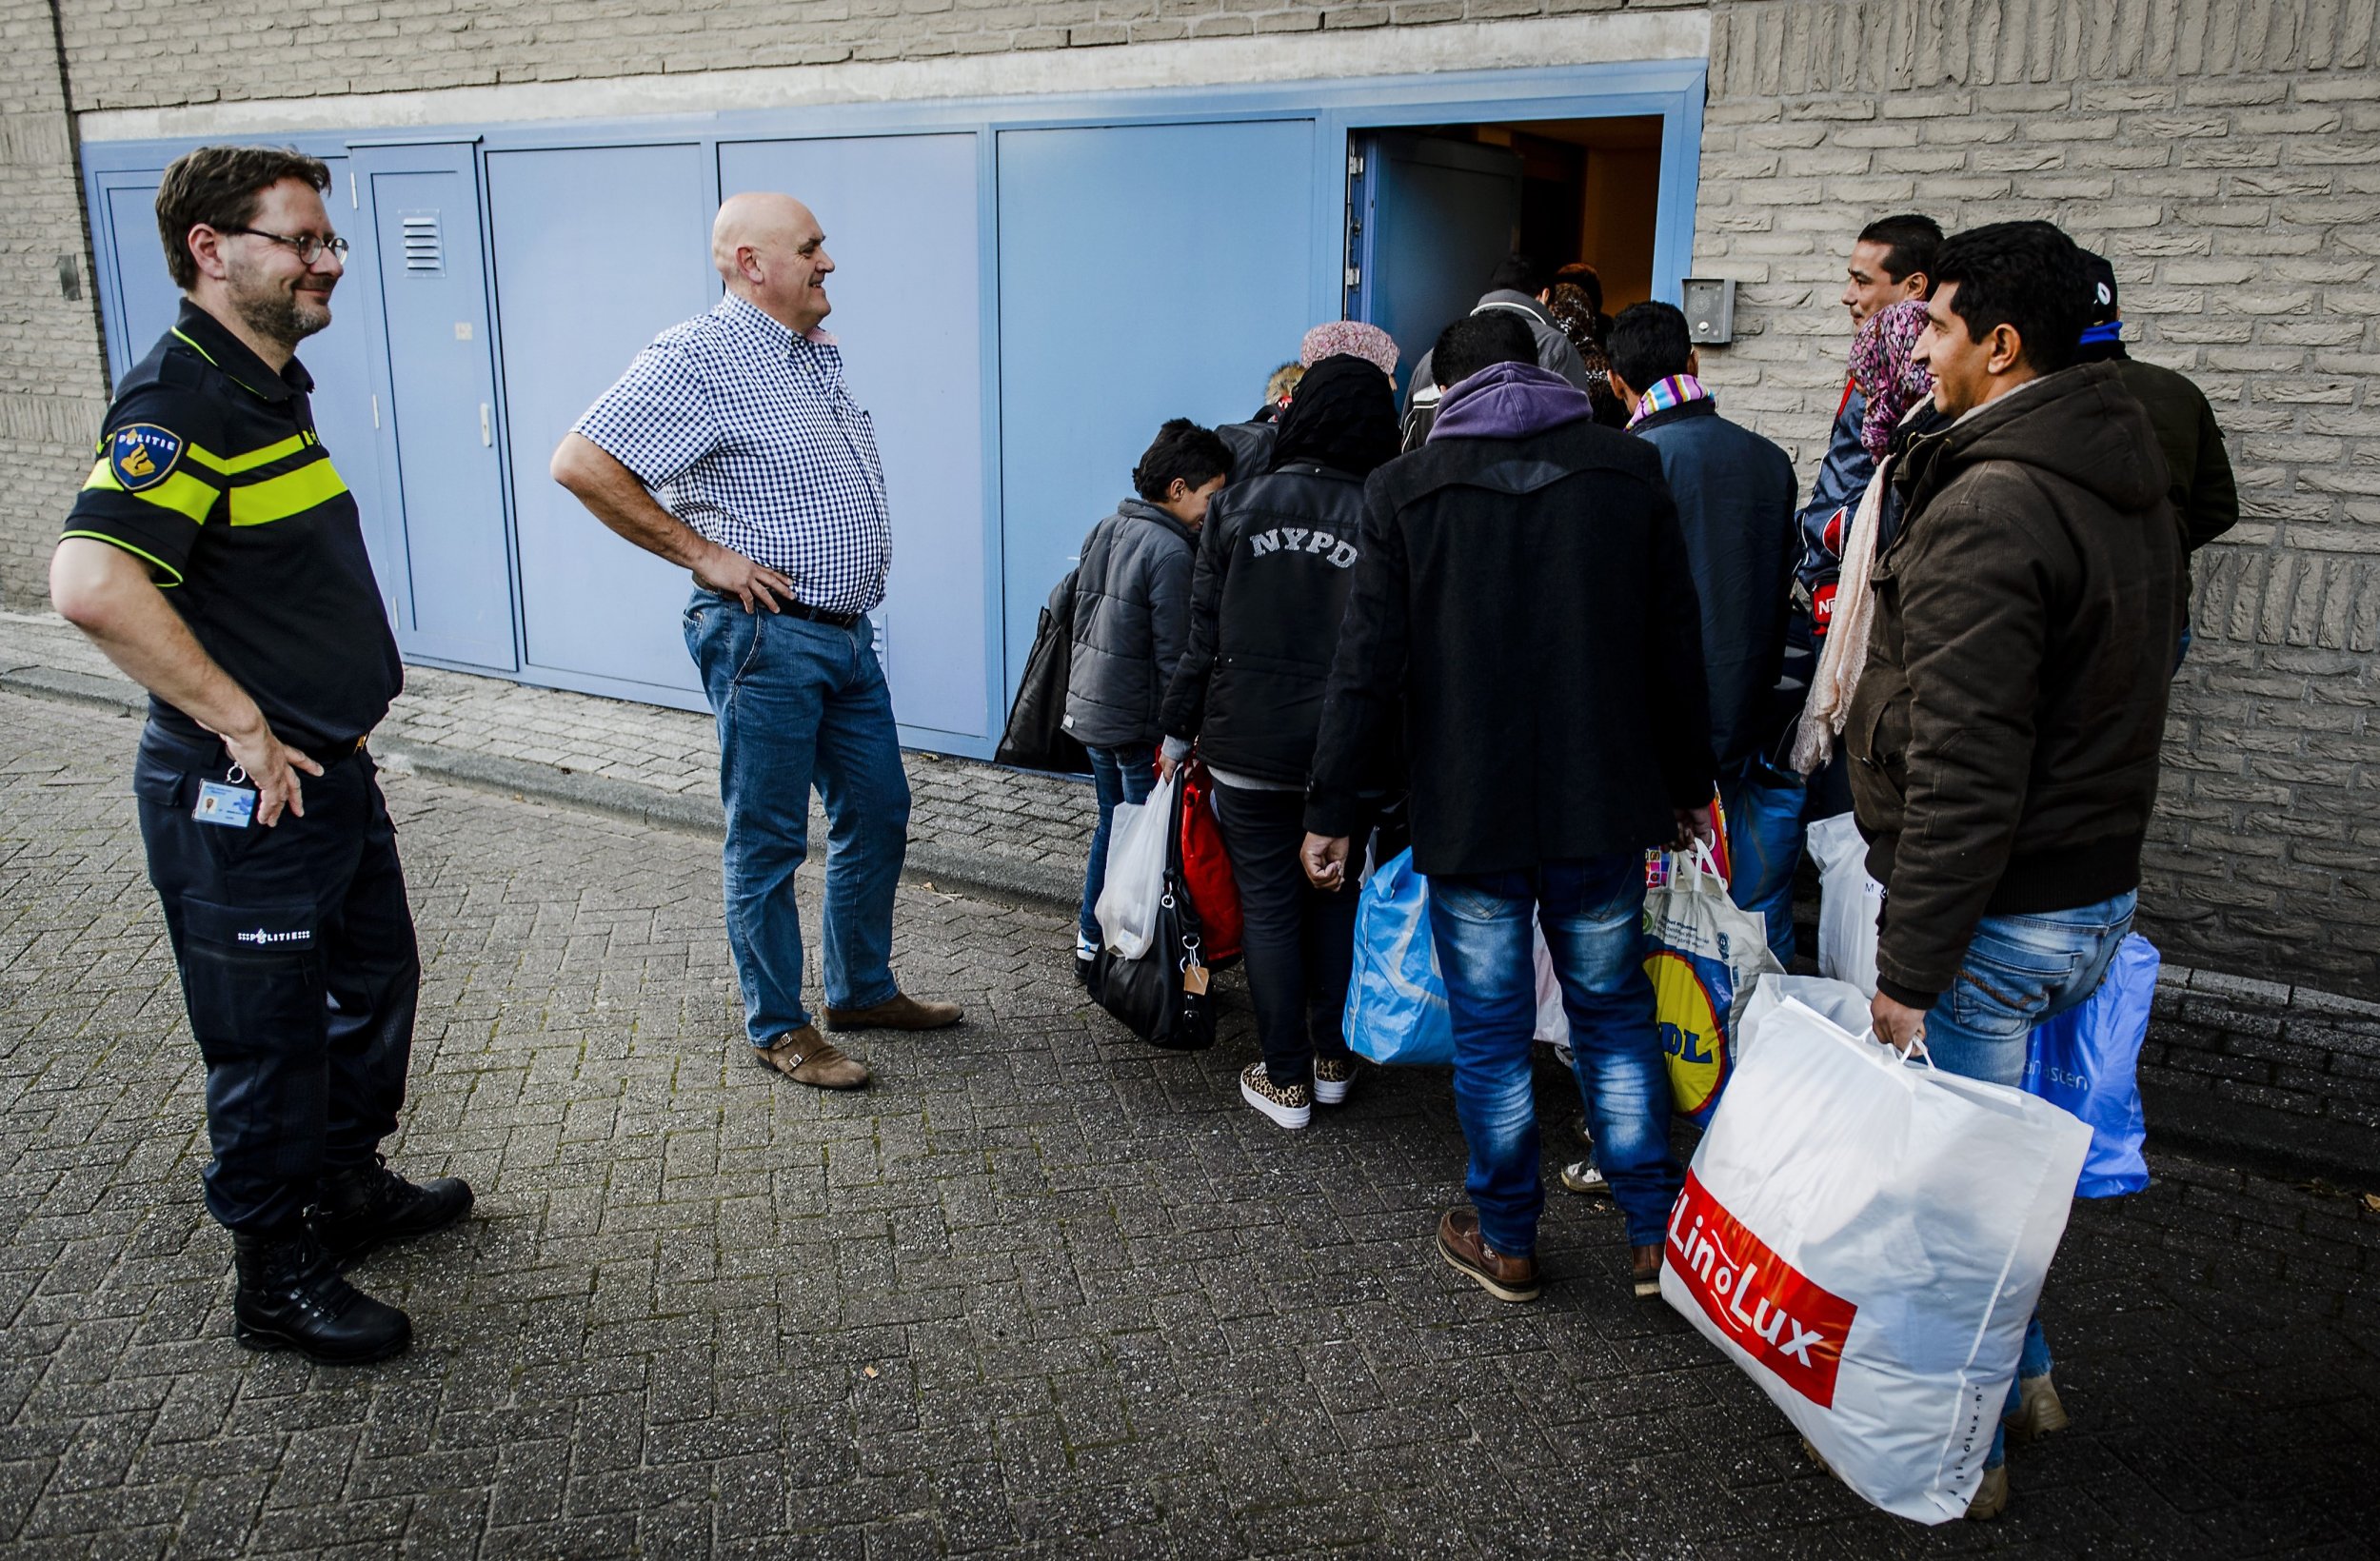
column 2088, row 1060
column 1396, row 997
column 1866, row 1237
column 1705, row 952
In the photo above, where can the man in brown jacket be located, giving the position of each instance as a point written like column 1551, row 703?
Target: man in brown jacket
column 2004, row 737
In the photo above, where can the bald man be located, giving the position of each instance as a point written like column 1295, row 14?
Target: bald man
column 732, row 446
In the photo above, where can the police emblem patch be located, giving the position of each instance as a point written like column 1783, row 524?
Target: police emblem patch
column 142, row 455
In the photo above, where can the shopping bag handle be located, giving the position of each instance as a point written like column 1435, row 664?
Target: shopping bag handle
column 1917, row 1053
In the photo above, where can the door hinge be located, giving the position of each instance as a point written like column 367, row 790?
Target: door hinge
column 376, row 408
column 487, row 429
column 354, row 204
column 1354, row 276
column 1354, row 165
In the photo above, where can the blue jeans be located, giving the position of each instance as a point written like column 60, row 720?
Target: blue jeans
column 801, row 703
column 1117, row 775
column 1593, row 912
column 1763, row 807
column 2019, row 971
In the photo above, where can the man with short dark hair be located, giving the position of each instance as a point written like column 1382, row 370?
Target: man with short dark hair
column 1522, row 601
column 217, row 558
column 1734, row 493
column 1517, row 287
column 2004, row 737
column 2206, row 500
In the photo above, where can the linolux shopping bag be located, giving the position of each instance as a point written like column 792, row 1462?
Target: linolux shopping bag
column 2088, row 1060
column 1139, row 845
column 1866, row 1237
column 1705, row 952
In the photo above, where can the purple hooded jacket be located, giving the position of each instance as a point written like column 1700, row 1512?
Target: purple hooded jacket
column 1509, row 401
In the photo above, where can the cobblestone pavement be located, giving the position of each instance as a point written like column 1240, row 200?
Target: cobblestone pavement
column 1041, row 1289
column 957, row 804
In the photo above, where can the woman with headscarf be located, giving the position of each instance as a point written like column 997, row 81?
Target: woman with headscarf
column 1274, row 567
column 1899, row 393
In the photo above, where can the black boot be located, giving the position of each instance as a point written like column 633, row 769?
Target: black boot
column 291, row 1297
column 370, row 1206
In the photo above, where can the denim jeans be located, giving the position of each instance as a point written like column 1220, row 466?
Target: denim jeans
column 1764, row 805
column 1117, row 775
column 801, row 703
column 1299, row 941
column 2019, row 971
column 1593, row 912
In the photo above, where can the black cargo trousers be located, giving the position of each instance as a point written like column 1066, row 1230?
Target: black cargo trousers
column 299, row 969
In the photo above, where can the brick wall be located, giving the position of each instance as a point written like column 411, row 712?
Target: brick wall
column 53, row 388
column 2226, row 153
column 2227, row 158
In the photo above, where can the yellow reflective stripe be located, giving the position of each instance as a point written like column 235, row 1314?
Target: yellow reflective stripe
column 153, row 561
column 292, row 493
column 233, row 465
column 195, row 347
column 181, row 493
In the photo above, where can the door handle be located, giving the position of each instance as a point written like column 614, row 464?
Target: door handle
column 487, row 429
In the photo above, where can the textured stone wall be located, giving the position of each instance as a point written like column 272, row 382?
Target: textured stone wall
column 2226, row 153
column 2225, row 156
column 53, row 384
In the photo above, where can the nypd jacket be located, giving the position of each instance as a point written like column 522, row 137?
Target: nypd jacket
column 2004, row 740
column 1131, row 616
column 1275, row 567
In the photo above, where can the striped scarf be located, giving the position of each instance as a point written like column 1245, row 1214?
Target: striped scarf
column 1663, row 394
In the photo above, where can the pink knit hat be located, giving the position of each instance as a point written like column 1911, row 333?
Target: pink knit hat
column 1354, row 337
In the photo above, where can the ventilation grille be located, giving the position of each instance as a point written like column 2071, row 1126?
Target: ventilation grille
column 423, row 252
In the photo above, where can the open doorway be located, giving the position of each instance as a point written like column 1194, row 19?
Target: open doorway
column 1433, row 210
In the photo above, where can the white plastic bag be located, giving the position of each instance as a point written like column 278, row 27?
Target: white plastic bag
column 1839, row 1001
column 1848, row 903
column 1866, row 1238
column 1134, row 884
column 1705, row 952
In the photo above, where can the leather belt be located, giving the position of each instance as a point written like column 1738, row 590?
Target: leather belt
column 820, row 615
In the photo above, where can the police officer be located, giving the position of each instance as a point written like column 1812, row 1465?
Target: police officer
column 216, row 556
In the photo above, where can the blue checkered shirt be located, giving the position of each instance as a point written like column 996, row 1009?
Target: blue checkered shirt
column 747, row 432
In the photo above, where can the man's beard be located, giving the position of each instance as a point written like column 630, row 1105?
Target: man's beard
column 278, row 312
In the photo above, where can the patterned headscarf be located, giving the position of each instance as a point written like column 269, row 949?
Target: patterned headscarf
column 1892, row 381
column 1354, row 338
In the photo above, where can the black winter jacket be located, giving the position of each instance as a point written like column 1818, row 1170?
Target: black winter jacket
column 2004, row 740
column 1131, row 620
column 1527, row 605
column 1275, row 566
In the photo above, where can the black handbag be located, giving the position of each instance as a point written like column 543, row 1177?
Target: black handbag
column 1036, row 737
column 1163, row 997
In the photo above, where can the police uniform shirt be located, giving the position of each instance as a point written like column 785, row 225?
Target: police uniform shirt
column 211, row 471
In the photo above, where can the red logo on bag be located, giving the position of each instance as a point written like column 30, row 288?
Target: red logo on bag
column 1785, row 1321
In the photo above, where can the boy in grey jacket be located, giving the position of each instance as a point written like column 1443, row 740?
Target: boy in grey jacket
column 1131, row 622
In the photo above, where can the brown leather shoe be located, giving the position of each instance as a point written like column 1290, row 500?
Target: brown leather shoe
column 897, row 1012
column 1467, row 1253
column 1644, row 1267
column 807, row 1058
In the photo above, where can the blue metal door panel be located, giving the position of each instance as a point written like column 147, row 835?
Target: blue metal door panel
column 424, row 204
column 1145, row 272
column 901, row 217
column 145, row 303
column 1435, row 218
column 579, row 294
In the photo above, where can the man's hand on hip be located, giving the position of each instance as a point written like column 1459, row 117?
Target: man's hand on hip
column 271, row 765
column 1897, row 1025
column 729, row 573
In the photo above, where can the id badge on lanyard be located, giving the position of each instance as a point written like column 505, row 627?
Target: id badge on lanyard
column 226, row 802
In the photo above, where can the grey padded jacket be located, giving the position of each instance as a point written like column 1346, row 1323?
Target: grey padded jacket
column 1131, row 622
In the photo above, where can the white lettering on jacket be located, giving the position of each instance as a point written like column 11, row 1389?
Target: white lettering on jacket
column 1343, row 554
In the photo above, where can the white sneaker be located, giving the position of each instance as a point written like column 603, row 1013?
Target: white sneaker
column 1333, row 1077
column 1582, row 1177
column 1288, row 1105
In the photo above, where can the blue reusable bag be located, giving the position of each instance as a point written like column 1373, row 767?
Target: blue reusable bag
column 1396, row 998
column 2088, row 1060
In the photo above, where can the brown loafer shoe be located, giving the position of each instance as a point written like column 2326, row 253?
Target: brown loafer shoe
column 897, row 1012
column 1645, row 1270
column 807, row 1058
column 1467, row 1253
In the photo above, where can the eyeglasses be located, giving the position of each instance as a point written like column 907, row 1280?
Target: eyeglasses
column 309, row 248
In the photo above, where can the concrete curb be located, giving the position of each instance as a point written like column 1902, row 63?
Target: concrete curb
column 1034, row 883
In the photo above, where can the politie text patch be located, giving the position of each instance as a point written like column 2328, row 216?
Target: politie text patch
column 143, row 455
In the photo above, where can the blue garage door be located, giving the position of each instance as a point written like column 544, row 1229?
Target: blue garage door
column 579, row 294
column 1145, row 272
column 901, row 217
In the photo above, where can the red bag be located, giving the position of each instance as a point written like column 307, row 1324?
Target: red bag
column 1206, row 868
